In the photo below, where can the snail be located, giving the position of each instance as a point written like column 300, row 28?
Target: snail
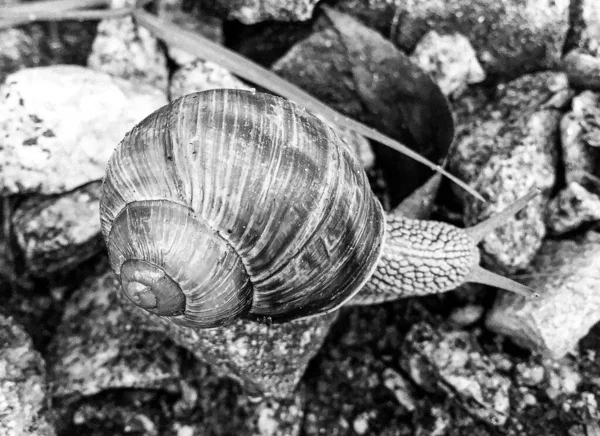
column 229, row 204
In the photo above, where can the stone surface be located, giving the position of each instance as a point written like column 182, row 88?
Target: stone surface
column 38, row 44
column 123, row 49
column 254, row 11
column 199, row 75
column 58, row 233
column 504, row 151
column 268, row 360
column 440, row 359
column 23, row 388
column 60, row 124
column 565, row 273
column 573, row 207
column 451, row 61
column 466, row 315
column 580, row 138
column 585, row 26
column 96, row 347
column 583, row 69
column 511, row 37
column 401, row 389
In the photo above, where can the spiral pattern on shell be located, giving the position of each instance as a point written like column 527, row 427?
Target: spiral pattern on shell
column 229, row 203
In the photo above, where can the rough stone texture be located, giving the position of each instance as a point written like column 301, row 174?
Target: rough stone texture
column 451, row 61
column 466, row 315
column 401, row 389
column 565, row 273
column 504, row 151
column 267, row 360
column 439, row 359
column 23, row 388
column 96, row 347
column 590, row 14
column 199, row 75
column 43, row 44
column 571, row 208
column 511, row 37
column 58, row 233
column 254, row 11
column 122, row 49
column 583, row 69
column 280, row 418
column 60, row 124
column 580, row 138
column 585, row 26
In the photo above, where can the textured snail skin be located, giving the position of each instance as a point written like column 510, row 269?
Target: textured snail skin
column 250, row 205
column 419, row 257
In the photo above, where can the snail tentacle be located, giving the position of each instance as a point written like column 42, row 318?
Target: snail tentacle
column 428, row 257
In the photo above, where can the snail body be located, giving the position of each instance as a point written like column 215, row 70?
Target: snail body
column 232, row 204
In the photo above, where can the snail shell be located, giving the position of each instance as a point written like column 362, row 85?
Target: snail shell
column 229, row 203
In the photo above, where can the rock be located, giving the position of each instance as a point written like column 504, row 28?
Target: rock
column 583, row 69
column 18, row 49
column 449, row 361
column 267, row 360
column 571, row 208
column 466, row 315
column 451, row 61
column 565, row 273
column 437, row 423
column 121, row 412
column 123, row 49
column 530, row 374
column 60, row 125
column 511, row 37
column 580, row 138
column 254, row 11
column 96, row 347
column 59, row 233
column 280, row 418
column 400, row 388
column 23, row 387
column 504, row 151
column 201, row 76
column 585, row 25
column 38, row 44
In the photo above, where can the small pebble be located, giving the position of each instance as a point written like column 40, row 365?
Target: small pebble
column 466, row 315
column 361, row 424
column 580, row 140
column 199, row 75
column 571, row 208
column 123, row 49
column 400, row 388
column 451, row 61
column 59, row 233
